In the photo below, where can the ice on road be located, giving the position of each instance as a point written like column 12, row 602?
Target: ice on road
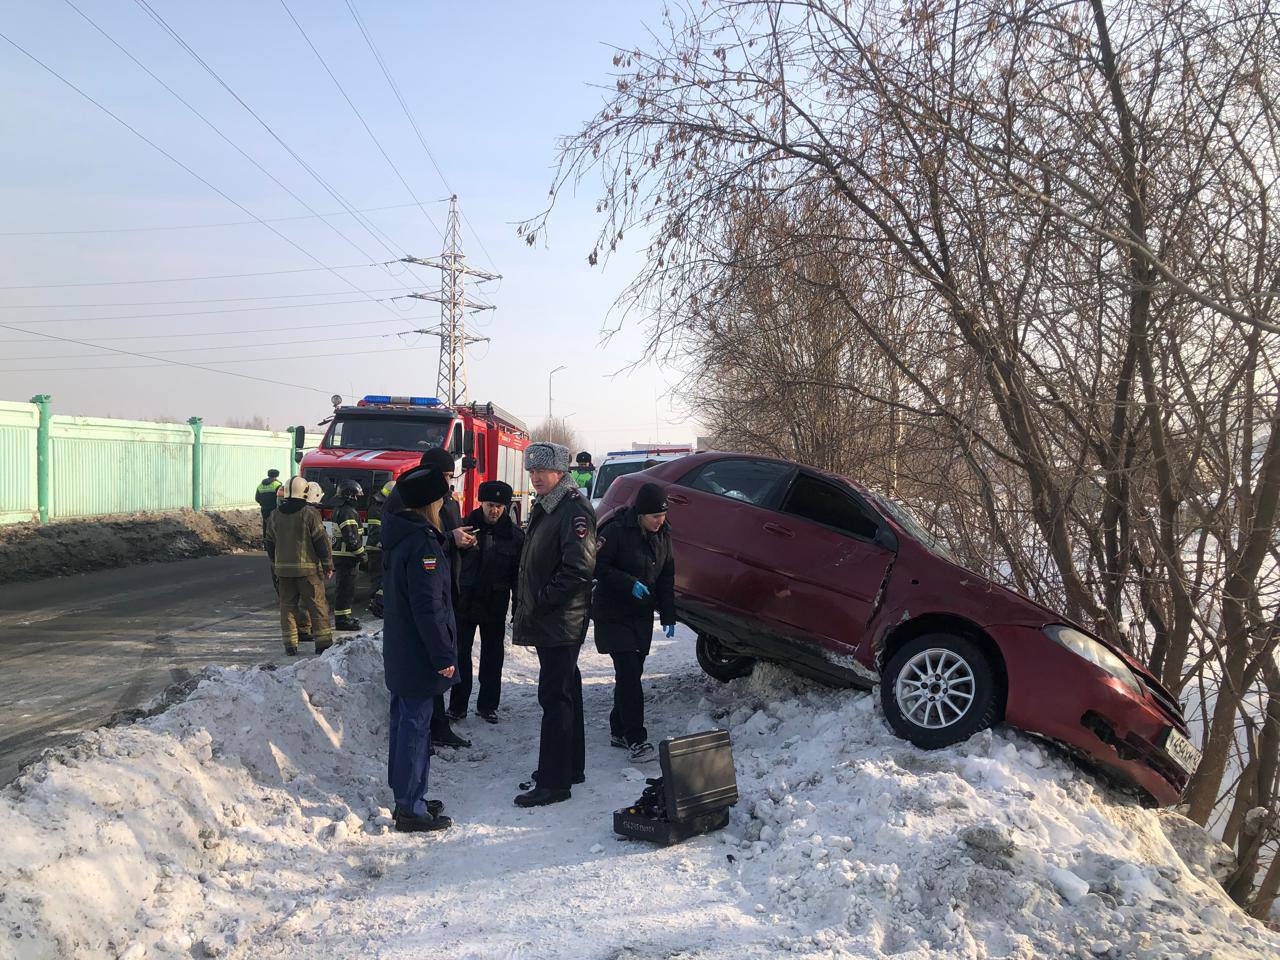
column 251, row 820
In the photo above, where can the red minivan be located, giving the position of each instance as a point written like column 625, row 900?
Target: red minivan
column 779, row 561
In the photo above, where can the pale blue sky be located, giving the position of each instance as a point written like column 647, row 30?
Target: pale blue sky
column 491, row 85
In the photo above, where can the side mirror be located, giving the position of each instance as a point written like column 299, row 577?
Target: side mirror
column 455, row 441
column 469, row 446
column 886, row 538
column 297, row 456
column 469, row 463
column 300, row 436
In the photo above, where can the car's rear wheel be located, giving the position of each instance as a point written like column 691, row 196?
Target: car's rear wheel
column 720, row 665
column 939, row 689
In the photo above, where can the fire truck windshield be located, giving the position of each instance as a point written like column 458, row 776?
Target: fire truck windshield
column 387, row 432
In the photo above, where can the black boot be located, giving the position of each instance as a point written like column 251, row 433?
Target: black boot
column 434, row 809
column 541, row 797
column 427, row 824
column 447, row 738
column 346, row 622
column 375, row 605
column 533, row 780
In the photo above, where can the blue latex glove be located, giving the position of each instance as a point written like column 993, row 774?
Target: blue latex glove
column 669, row 629
column 639, row 590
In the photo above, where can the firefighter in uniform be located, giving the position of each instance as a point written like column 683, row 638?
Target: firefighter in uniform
column 348, row 551
column 373, row 545
column 301, row 560
column 553, row 603
column 266, row 496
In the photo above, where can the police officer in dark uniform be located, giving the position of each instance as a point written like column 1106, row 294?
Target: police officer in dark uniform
column 348, row 551
column 266, row 496
column 457, row 537
column 488, row 575
column 635, row 572
column 553, row 603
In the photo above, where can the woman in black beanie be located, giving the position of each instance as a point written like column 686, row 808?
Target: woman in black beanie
column 635, row 574
column 419, row 642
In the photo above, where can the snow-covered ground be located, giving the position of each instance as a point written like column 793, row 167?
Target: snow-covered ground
column 250, row 821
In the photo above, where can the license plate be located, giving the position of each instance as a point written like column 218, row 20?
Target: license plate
column 1182, row 751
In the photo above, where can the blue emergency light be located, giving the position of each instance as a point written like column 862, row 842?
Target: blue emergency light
column 401, row 401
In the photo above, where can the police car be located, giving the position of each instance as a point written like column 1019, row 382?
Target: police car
column 622, row 462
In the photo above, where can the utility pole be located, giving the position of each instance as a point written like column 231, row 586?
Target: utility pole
column 451, row 382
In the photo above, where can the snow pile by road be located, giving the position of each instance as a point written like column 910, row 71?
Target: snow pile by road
column 250, row 821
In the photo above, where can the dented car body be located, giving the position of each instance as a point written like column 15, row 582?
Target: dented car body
column 781, row 562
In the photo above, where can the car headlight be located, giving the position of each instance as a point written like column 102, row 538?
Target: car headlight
column 1083, row 645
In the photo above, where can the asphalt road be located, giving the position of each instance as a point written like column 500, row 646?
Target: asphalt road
column 76, row 650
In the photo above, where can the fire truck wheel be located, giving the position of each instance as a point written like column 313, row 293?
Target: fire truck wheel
column 718, row 664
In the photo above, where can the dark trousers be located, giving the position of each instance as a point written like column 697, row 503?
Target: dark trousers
column 375, row 568
column 345, row 570
column 562, row 752
column 409, row 756
column 626, row 719
column 492, row 652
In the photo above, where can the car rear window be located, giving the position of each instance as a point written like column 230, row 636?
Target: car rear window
column 753, row 481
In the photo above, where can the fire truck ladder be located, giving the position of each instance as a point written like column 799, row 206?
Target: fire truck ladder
column 451, row 386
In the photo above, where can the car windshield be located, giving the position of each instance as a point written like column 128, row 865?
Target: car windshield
column 382, row 432
column 609, row 472
column 909, row 522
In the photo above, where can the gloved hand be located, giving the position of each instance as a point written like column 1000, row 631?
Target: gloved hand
column 639, row 590
column 669, row 629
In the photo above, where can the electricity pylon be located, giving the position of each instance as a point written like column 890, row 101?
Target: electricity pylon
column 451, row 383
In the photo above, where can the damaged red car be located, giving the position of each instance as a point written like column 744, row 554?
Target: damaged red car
column 781, row 562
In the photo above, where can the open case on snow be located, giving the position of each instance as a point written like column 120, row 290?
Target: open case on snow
column 697, row 787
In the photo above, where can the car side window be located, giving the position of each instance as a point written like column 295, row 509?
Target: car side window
column 752, row 481
column 825, row 503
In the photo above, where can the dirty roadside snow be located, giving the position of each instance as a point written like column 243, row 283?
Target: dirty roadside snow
column 251, row 821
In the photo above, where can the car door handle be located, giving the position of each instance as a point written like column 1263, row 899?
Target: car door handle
column 779, row 530
column 676, row 498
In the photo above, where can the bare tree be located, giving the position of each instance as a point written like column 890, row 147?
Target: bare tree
column 558, row 430
column 1017, row 262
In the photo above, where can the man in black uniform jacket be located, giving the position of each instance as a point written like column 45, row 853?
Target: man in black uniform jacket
column 553, row 602
column 635, row 572
column 488, row 574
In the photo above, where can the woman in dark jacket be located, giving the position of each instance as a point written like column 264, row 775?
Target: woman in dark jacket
column 635, row 573
column 489, row 571
column 419, row 641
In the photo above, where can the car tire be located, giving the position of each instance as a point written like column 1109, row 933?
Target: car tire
column 946, row 710
column 719, row 665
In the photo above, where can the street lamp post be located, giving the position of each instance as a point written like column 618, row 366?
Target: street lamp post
column 549, row 376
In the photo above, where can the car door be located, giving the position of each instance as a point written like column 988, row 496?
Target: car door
column 709, row 510
column 822, row 542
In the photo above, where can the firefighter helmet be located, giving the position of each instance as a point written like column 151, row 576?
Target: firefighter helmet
column 315, row 493
column 350, row 490
column 296, row 488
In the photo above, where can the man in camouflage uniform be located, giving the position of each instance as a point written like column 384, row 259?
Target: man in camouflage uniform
column 301, row 560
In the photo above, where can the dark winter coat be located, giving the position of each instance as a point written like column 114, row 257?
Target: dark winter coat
column 450, row 520
column 266, row 495
column 419, row 637
column 489, row 569
column 627, row 555
column 553, row 590
column 296, row 542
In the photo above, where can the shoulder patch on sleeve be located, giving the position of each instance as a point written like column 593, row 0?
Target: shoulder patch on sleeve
column 580, row 527
column 429, row 564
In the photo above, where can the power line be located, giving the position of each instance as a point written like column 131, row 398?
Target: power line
column 395, row 89
column 203, row 226
column 206, row 365
column 231, row 346
column 215, row 276
column 232, row 333
column 170, row 303
column 159, row 149
column 203, row 313
column 328, row 187
column 359, row 116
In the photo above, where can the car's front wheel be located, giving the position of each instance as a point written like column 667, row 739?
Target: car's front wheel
column 939, row 689
column 718, row 664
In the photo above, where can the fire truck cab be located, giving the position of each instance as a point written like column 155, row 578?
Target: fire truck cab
column 381, row 437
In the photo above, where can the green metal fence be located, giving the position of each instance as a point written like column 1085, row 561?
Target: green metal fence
column 89, row 466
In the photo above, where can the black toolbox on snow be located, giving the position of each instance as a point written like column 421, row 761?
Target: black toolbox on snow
column 697, row 787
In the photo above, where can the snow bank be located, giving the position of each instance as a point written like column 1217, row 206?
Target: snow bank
column 250, row 821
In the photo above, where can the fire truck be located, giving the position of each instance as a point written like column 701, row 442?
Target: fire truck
column 381, row 437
